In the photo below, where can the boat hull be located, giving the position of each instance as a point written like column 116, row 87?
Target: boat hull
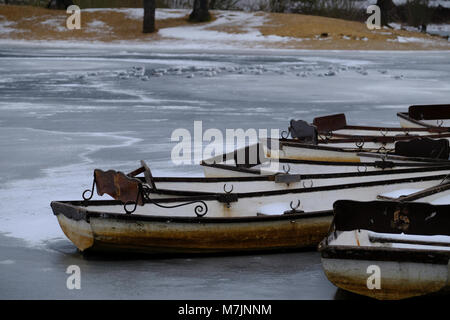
column 138, row 234
column 398, row 280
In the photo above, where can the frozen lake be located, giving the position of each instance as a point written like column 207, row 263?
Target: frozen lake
column 65, row 112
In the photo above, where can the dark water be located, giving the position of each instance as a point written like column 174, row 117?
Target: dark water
column 65, row 112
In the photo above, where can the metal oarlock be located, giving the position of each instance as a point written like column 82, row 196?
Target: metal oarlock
column 294, row 209
column 383, row 132
column 363, row 166
column 311, row 184
column 227, row 191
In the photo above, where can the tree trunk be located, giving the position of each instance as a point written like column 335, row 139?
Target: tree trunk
column 388, row 11
column 149, row 16
column 200, row 12
column 59, row 4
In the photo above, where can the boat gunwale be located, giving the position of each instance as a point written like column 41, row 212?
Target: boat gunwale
column 415, row 169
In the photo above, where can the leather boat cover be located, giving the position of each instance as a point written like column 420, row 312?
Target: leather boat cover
column 118, row 185
column 303, row 131
column 392, row 217
column 430, row 112
column 330, row 123
column 424, row 148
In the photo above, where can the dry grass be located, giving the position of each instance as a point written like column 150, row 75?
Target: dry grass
column 33, row 23
column 341, row 34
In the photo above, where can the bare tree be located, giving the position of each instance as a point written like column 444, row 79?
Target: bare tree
column 388, row 11
column 59, row 4
column 149, row 16
column 200, row 12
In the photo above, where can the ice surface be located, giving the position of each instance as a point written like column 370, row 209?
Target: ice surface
column 64, row 113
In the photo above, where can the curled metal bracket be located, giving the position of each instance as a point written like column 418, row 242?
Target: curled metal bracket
column 200, row 210
column 89, row 190
column 285, row 134
column 383, row 132
column 225, row 188
column 286, row 168
column 439, row 122
column 310, row 186
column 359, row 170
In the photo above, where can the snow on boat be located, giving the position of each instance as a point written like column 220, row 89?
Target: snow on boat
column 425, row 116
column 198, row 222
column 388, row 249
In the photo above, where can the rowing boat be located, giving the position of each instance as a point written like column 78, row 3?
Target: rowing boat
column 333, row 131
column 425, row 116
column 185, row 186
column 415, row 147
column 271, row 155
column 307, row 168
column 388, row 249
column 205, row 222
column 102, row 226
column 336, row 126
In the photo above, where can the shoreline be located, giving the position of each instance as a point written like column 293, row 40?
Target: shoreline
column 229, row 30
